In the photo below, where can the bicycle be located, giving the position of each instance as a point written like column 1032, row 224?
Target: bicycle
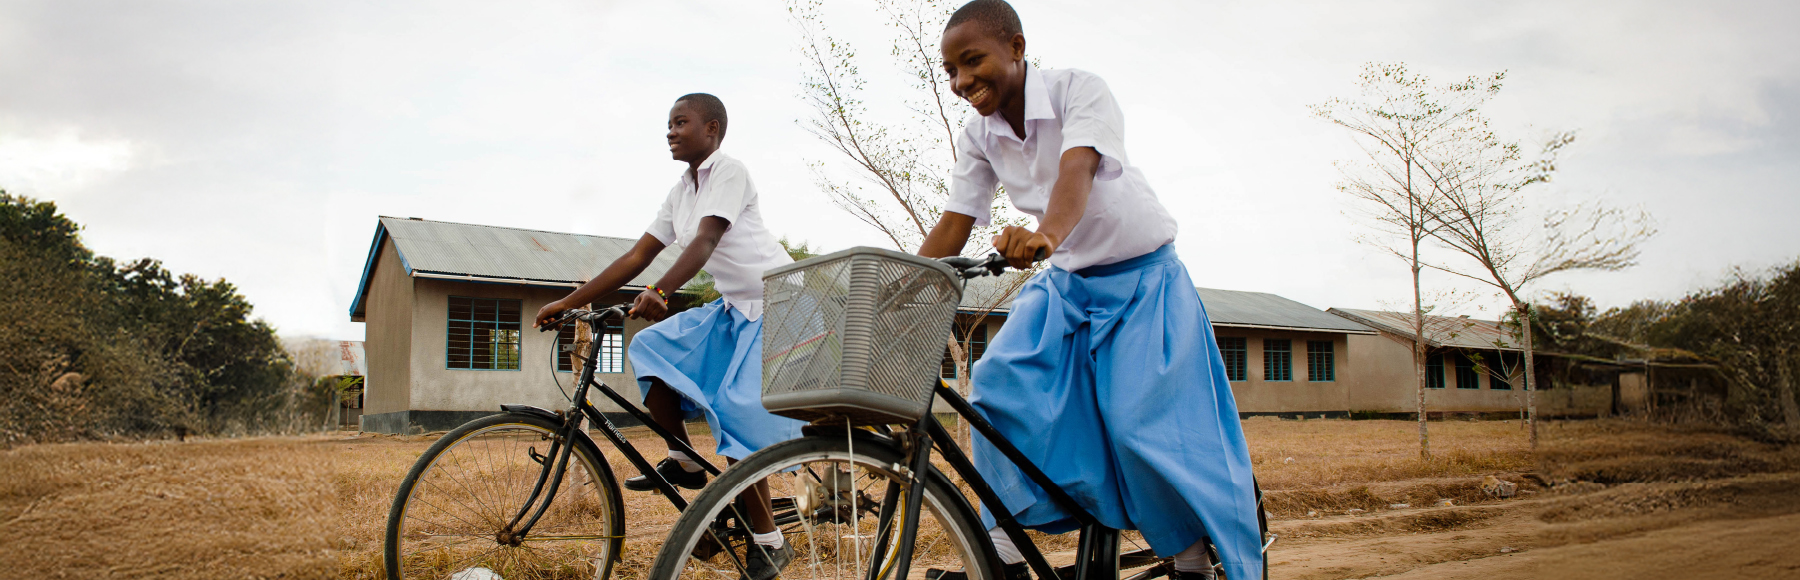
column 866, row 500
column 484, row 497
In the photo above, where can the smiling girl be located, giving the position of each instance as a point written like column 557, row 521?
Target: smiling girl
column 1106, row 375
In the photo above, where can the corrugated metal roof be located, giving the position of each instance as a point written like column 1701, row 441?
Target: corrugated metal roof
column 497, row 252
column 325, row 358
column 436, row 249
column 1264, row 310
column 1440, row 331
column 1224, row 307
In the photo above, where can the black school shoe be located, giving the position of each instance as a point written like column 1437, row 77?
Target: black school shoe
column 765, row 563
column 1179, row 575
column 671, row 470
column 1019, row 571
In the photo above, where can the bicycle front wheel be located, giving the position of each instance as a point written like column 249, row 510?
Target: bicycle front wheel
column 452, row 516
column 840, row 512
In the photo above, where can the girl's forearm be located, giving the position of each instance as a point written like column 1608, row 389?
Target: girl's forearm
column 692, row 259
column 617, row 274
column 1069, row 195
column 949, row 236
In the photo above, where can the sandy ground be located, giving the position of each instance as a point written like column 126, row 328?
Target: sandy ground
column 1601, row 499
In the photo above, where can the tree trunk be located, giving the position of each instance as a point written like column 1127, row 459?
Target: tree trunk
column 1524, row 310
column 1784, row 390
column 1419, row 355
column 959, row 357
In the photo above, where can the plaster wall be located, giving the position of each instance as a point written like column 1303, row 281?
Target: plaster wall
column 1634, row 394
column 1256, row 394
column 387, row 342
column 1389, row 383
column 437, row 388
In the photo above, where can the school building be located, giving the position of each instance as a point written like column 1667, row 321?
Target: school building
column 1475, row 366
column 447, row 309
column 447, row 313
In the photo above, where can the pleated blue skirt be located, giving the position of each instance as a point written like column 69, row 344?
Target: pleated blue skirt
column 1110, row 380
column 712, row 356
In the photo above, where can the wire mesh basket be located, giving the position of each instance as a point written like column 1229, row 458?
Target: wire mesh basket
column 856, row 334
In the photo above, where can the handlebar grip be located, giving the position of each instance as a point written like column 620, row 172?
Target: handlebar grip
column 1041, row 255
column 562, row 318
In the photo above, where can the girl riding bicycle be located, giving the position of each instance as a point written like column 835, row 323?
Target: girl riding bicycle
column 704, row 361
column 1106, row 373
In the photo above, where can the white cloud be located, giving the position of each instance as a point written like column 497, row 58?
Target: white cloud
column 59, row 161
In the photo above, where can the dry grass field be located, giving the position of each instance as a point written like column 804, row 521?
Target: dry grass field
column 1351, row 499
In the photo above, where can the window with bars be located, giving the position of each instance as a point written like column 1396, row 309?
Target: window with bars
column 977, row 345
column 1278, row 359
column 1466, row 376
column 1503, row 364
column 612, row 348
column 1434, row 371
column 1320, row 364
column 483, row 334
column 1237, row 356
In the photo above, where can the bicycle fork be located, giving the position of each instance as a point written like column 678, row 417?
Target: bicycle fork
column 555, row 462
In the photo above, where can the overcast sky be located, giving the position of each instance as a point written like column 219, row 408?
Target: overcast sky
column 259, row 141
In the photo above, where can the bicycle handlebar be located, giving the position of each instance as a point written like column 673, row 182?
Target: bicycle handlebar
column 967, row 268
column 992, row 265
column 591, row 316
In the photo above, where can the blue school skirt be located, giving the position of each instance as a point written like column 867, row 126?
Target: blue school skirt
column 712, row 356
column 1110, row 380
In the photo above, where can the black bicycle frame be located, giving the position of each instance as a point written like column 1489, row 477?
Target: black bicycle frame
column 556, row 462
column 1097, row 557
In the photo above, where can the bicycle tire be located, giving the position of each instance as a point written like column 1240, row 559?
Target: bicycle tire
column 948, row 520
column 580, row 535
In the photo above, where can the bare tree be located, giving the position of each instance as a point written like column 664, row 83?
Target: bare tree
column 1398, row 117
column 900, row 163
column 1483, row 181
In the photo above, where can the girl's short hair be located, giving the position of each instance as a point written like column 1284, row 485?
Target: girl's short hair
column 711, row 108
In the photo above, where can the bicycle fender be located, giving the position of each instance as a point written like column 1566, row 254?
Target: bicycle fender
column 530, row 410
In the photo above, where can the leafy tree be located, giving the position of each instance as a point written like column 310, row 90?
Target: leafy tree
column 1400, row 119
column 1750, row 327
column 91, row 347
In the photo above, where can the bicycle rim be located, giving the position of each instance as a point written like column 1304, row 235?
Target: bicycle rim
column 469, row 486
column 828, row 504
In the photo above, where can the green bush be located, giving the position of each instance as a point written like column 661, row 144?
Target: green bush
column 93, row 348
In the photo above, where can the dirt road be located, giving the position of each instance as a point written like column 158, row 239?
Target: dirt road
column 1599, row 500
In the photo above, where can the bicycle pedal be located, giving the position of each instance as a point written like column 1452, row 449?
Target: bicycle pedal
column 707, row 548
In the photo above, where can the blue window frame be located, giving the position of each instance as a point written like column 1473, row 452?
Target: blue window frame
column 483, row 334
column 977, row 346
column 612, row 348
column 1466, row 376
column 1321, row 366
column 1434, row 371
column 1278, row 359
column 1237, row 357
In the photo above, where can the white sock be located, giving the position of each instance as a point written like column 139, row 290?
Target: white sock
column 1003, row 544
column 1194, row 560
column 771, row 540
column 686, row 462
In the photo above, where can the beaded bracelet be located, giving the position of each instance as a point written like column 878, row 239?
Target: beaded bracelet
column 659, row 292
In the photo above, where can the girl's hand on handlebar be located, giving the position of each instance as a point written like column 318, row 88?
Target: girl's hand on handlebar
column 649, row 306
column 1021, row 246
column 548, row 314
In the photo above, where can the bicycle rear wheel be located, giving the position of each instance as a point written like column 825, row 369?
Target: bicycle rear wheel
column 450, row 511
column 833, row 507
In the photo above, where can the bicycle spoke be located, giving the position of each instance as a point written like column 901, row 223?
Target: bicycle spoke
column 473, row 487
